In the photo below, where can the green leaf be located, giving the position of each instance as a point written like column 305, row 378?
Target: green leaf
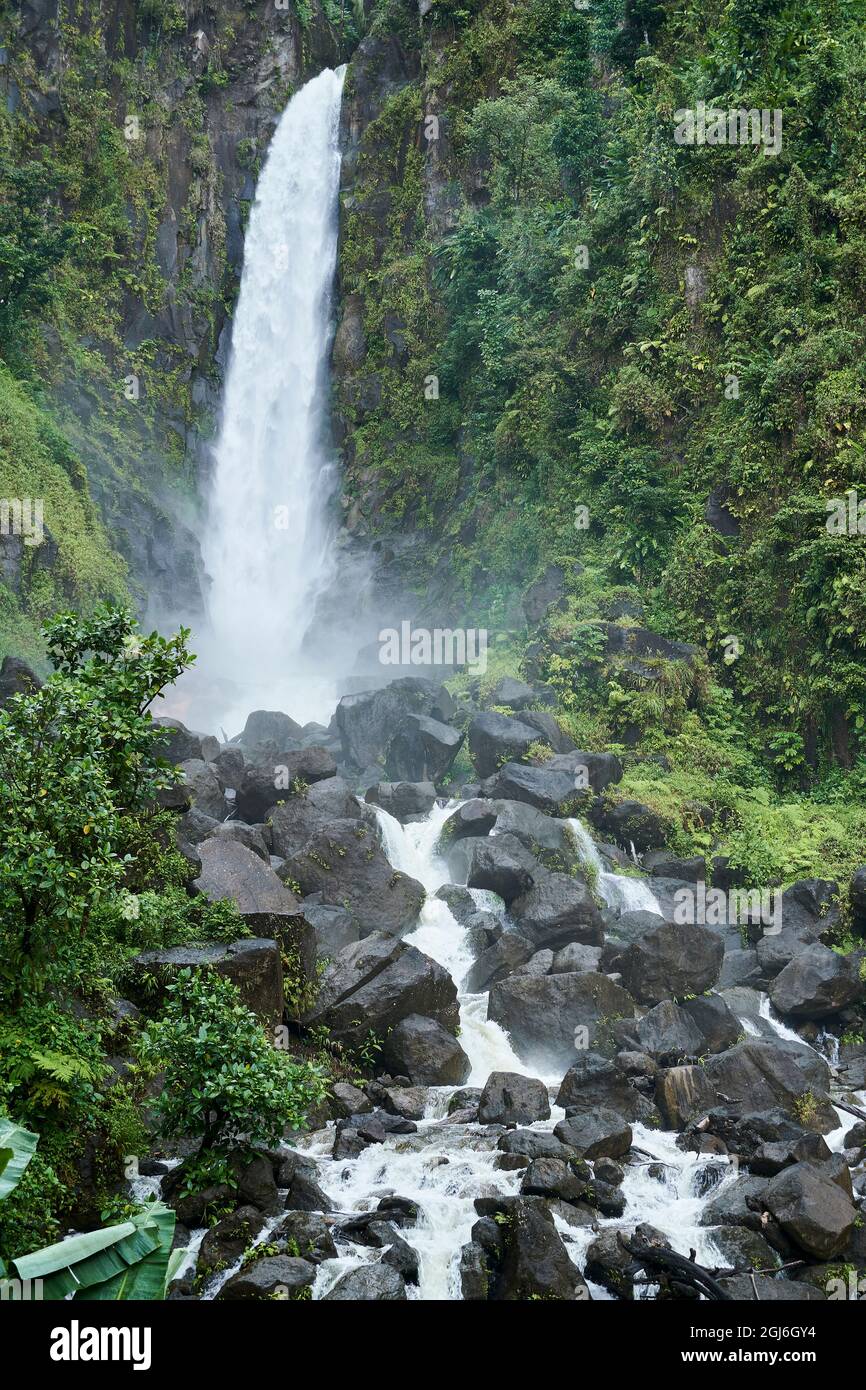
column 17, row 1147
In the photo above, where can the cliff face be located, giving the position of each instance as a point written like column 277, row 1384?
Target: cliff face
column 147, row 123
column 571, row 337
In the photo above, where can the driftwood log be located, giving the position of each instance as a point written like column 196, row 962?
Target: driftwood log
column 676, row 1267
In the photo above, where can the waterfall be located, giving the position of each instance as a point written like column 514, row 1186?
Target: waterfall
column 267, row 546
column 621, row 892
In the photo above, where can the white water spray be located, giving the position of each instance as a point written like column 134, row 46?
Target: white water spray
column 622, row 893
column 268, row 548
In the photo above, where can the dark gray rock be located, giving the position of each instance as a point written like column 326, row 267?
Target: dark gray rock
column 671, row 961
column 427, row 1053
column 266, row 782
column 596, row 1134
column 556, row 910
column 543, row 1015
column 252, row 963
column 345, row 864
column 406, row 801
column 499, row 960
column 368, row 721
column 812, row 1209
column 511, row 1099
column 272, row 1276
column 179, row 744
column 422, row 749
column 500, row 864
column 818, row 982
column 375, row 984
column 202, row 787
column 270, row 731
column 225, row 1242
column 496, row 739
column 299, row 816
column 760, row 1074
column 368, row 1284
column 594, row 1083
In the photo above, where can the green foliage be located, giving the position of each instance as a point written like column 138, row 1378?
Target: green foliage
column 17, row 1146
column 75, row 756
column 223, row 1078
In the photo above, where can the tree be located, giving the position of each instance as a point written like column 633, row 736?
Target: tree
column 224, row 1079
column 76, row 756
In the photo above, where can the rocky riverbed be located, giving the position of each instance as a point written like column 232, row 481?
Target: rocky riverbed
column 570, row 1085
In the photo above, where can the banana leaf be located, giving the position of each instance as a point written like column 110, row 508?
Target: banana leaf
column 149, row 1278
column 129, row 1260
column 17, row 1147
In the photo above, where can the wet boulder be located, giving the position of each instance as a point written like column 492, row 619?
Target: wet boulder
column 248, row 835
column 682, row 1094
column 422, row 749
column 553, row 787
column 267, row 781
column 203, row 789
column 298, row 816
column 346, row 866
column 556, row 910
column 549, row 840
column 520, row 1146
column 710, row 1013
column 499, row 863
column 814, row 1211
column 549, row 1017
column 630, row 823
column 225, row 1242
column 333, row 925
column 500, row 959
column 366, row 722
column 671, row 961
column 495, row 739
column 593, row 1083
column 308, row 1232
column 377, row 1283
column 535, row 1262
column 407, row 802
column 272, row 1276
column 595, row 1134
column 475, row 818
column 511, row 1099
column 761, row 1074
column 427, row 1053
column 178, row 744
column 376, row 983
column 553, row 1179
column 816, row 983
column 270, row 731
column 575, row 959
column 459, row 901
column 668, row 1034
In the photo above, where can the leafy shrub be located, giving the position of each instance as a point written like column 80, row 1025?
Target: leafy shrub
column 223, row 1078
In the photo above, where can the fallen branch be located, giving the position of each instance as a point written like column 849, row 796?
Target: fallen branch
column 851, row 1109
column 678, row 1267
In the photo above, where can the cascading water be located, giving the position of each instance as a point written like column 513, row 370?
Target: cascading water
column 444, row 1167
column 621, row 892
column 267, row 545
